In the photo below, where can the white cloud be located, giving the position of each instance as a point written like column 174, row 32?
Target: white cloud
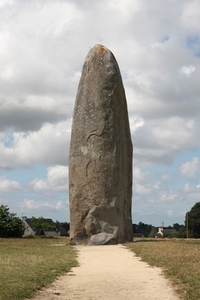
column 157, row 185
column 170, row 197
column 31, row 205
column 170, row 213
column 190, row 169
column 165, row 176
column 187, row 70
column 5, row 3
column 176, row 213
column 57, row 180
column 49, row 145
column 39, row 185
column 192, row 192
column 142, row 190
column 159, row 141
column 59, row 205
column 190, row 189
column 190, row 15
column 9, row 186
column 136, row 123
column 139, row 175
column 165, row 196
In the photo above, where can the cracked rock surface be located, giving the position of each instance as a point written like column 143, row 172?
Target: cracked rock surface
column 100, row 160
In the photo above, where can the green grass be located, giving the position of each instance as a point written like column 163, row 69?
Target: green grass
column 180, row 260
column 27, row 265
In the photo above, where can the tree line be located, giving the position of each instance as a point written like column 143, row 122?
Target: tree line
column 13, row 226
column 151, row 231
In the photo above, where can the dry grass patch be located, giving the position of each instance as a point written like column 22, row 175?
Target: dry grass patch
column 29, row 264
column 179, row 260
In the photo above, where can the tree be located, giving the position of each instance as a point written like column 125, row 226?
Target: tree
column 194, row 221
column 178, row 227
column 10, row 224
column 66, row 226
column 145, row 229
column 41, row 223
column 153, row 232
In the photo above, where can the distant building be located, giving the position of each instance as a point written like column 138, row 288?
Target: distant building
column 164, row 232
column 57, row 228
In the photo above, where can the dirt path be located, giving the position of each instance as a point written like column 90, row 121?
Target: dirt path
column 109, row 272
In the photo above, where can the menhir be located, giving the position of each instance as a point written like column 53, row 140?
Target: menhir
column 100, row 161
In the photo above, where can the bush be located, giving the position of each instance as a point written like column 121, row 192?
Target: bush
column 10, row 224
column 193, row 220
column 178, row 234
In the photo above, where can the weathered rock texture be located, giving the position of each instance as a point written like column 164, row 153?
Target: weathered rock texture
column 100, row 162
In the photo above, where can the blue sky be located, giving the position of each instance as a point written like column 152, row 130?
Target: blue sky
column 43, row 47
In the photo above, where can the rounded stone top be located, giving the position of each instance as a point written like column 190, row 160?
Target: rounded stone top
column 102, row 52
column 100, row 48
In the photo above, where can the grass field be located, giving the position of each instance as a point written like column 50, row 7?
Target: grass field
column 180, row 260
column 29, row 264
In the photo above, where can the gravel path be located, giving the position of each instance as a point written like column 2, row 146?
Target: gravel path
column 109, row 272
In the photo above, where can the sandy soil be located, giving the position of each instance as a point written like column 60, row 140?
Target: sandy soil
column 109, row 272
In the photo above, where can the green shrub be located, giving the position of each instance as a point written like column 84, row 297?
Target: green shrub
column 10, row 224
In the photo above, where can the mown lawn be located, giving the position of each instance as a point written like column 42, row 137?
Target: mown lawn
column 180, row 260
column 29, row 264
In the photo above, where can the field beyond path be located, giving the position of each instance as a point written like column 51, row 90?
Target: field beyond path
column 109, row 272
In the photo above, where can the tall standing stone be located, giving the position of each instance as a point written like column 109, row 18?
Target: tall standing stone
column 100, row 161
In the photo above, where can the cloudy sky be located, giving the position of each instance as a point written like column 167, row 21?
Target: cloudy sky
column 43, row 44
